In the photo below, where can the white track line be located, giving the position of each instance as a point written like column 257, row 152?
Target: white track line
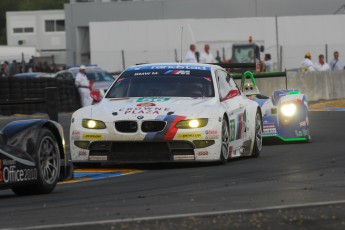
column 181, row 215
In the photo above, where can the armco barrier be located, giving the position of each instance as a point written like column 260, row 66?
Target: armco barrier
column 316, row 85
column 18, row 89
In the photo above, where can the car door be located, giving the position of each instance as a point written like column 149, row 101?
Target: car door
column 235, row 103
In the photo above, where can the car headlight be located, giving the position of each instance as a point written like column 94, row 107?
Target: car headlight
column 192, row 123
column 289, row 109
column 93, row 124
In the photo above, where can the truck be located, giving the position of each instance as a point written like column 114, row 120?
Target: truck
column 247, row 53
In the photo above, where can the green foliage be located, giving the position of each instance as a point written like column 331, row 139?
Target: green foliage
column 24, row 5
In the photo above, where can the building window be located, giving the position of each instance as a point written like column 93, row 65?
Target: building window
column 23, row 30
column 55, row 25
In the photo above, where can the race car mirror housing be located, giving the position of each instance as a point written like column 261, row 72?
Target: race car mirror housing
column 232, row 93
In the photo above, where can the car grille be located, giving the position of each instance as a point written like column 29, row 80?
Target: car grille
column 153, row 126
column 126, row 126
column 146, row 126
column 135, row 151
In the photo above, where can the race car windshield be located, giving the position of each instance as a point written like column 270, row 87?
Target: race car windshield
column 162, row 86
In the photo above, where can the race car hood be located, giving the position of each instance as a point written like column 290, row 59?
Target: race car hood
column 150, row 108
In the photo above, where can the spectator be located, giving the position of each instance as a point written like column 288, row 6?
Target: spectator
column 268, row 63
column 336, row 64
column 13, row 68
column 191, row 56
column 307, row 64
column 5, row 69
column 206, row 56
column 82, row 83
column 322, row 65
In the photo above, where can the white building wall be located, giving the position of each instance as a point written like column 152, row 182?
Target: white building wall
column 156, row 41
column 46, row 43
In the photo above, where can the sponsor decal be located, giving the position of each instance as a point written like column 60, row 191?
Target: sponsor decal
column 202, row 153
column 232, row 130
column 178, row 72
column 303, row 124
column 146, row 74
column 211, row 137
column 150, row 67
column 302, row 133
column 211, row 132
column 189, row 135
column 98, row 158
column 270, row 131
column 144, row 110
column 75, row 135
column 0, row 170
column 82, row 153
column 9, row 173
column 144, row 104
column 184, row 157
column 92, row 136
column 153, row 99
column 241, row 125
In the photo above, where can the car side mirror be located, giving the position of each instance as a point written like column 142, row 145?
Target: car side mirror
column 232, row 93
column 3, row 139
column 262, row 48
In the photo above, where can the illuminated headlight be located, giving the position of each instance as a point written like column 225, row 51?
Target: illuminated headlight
column 192, row 123
column 93, row 124
column 288, row 110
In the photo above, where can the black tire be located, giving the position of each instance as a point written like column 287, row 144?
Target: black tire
column 225, row 137
column 48, row 166
column 258, row 136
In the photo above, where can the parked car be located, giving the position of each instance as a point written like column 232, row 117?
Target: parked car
column 34, row 74
column 101, row 79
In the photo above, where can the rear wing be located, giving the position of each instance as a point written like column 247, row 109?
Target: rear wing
column 254, row 76
column 245, row 73
column 236, row 65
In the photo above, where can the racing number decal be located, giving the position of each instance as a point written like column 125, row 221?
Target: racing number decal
column 232, row 130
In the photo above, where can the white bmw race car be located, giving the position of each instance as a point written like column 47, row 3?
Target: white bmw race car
column 168, row 112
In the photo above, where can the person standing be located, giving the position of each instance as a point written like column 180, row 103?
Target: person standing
column 336, row 64
column 206, row 56
column 322, row 65
column 307, row 64
column 268, row 63
column 83, row 84
column 191, row 54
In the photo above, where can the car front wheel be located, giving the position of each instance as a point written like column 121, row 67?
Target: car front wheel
column 258, row 136
column 48, row 165
column 224, row 150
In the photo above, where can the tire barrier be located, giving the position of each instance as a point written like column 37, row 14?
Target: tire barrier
column 28, row 89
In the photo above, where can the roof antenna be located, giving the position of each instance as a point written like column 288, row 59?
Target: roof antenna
column 181, row 43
